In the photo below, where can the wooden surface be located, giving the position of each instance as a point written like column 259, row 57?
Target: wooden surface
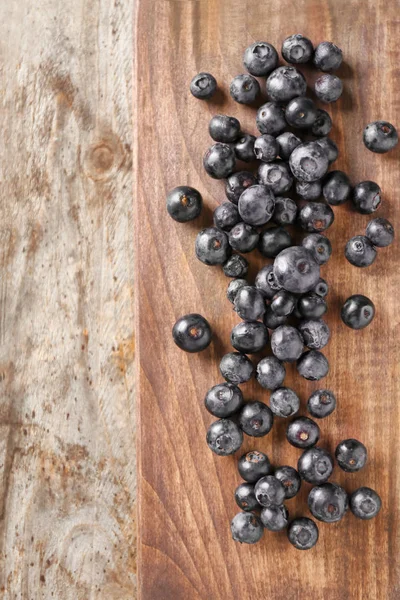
column 67, row 429
column 186, row 493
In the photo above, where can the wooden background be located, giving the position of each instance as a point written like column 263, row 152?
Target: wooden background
column 186, row 493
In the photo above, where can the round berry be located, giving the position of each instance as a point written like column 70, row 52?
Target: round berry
column 309, row 190
column 351, row 455
column 266, row 148
column 237, row 183
column 303, row 533
column 380, row 232
column 236, row 266
column 272, row 320
column 328, row 88
column 226, row 216
column 271, row 118
column 256, row 419
column 283, row 303
column 249, row 303
column 212, row 246
column 287, row 343
column 319, row 246
column 219, row 161
column 380, row 137
column 297, row 49
column 290, row 479
column 223, row 400
column 328, row 502
column 276, row 176
column 367, row 197
column 260, row 59
column 265, row 282
column 315, row 465
column 244, row 147
column 249, row 337
column 321, row 404
column 245, row 497
column 192, row 333
column 224, row 129
column 284, row 402
column 246, row 528
column 337, row 188
column 311, row 306
column 273, row 241
column 254, row 465
column 296, row 270
column 322, row 124
column 275, row 518
column 321, row 288
column 302, row 432
column 244, row 89
column 309, row 162
column 184, row 203
column 236, row 367
column 358, row 311
column 365, row 503
column 315, row 332
column 316, row 217
column 243, row 237
column 360, row 252
column 327, row 56
column 270, row 373
column 313, row 365
column 203, row 86
column 256, row 205
column 287, row 143
column 233, row 288
column 286, row 83
column 269, row 491
column 301, row 112
column 224, row 437
column 285, row 211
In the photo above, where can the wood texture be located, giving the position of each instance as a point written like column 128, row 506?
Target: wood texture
column 67, row 431
column 186, row 493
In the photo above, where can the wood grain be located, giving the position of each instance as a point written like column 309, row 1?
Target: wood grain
column 67, row 429
column 186, row 493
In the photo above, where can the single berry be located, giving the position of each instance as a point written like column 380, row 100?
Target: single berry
column 219, row 161
column 276, row 176
column 286, row 83
column 236, row 367
column 309, row 162
column 234, row 286
column 271, row 118
column 244, row 89
column 316, row 217
column 321, row 288
column 237, row 183
column 260, row 59
column 313, row 365
column 380, row 137
column 287, row 143
column 273, row 241
column 275, row 518
column 315, row 465
column 224, row 437
column 327, row 56
column 265, row 282
column 254, row 465
column 303, row 533
column 287, row 343
column 367, row 197
column 283, row 303
column 224, row 129
column 249, row 337
column 290, row 479
column 351, row 455
column 311, row 306
column 266, row 148
column 315, row 332
column 212, row 246
column 243, row 237
column 256, row 419
column 297, row 49
column 246, row 528
column 296, row 270
column 328, row 502
column 236, row 266
column 203, row 86
column 272, row 320
column 301, row 112
column 360, row 252
column 284, row 402
column 256, row 205
column 329, row 147
column 302, row 432
column 226, row 216
column 337, row 188
column 285, row 212
column 245, row 497
column 184, row 203
column 328, row 88
column 192, row 333
column 358, row 311
column 319, row 246
column 365, row 503
column 249, row 303
column 321, row 404
column 269, row 491
column 379, row 231
column 244, row 147
column 322, row 124
column 223, row 400
column 309, row 190
column 270, row 373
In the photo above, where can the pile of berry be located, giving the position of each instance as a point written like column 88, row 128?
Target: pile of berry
column 286, row 303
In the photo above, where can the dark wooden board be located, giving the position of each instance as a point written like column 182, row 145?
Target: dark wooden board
column 185, row 492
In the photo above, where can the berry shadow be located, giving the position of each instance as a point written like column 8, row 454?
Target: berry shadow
column 219, row 99
column 345, row 71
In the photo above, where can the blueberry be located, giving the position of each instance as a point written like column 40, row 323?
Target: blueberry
column 367, row 197
column 380, row 137
column 379, row 231
column 316, row 217
column 328, row 502
column 256, row 205
column 273, row 241
column 328, row 88
column 287, row 343
column 249, row 337
column 249, row 303
column 253, row 465
column 271, row 118
column 322, row 124
column 284, row 402
column 223, row 400
column 265, row 282
column 290, row 480
column 266, row 148
column 315, row 332
column 285, row 211
column 270, row 373
column 224, row 437
column 219, row 161
column 313, row 365
column 315, row 465
column 312, row 306
column 243, row 237
column 319, row 246
column 327, row 56
column 246, row 528
column 260, row 58
column 360, row 252
column 236, row 367
column 236, row 266
column 329, row 147
column 272, row 320
column 302, row 432
column 287, row 143
column 203, row 86
column 245, row 497
column 365, row 503
column 275, row 518
column 212, row 246
column 244, row 147
column 309, row 190
column 296, row 270
column 351, row 455
column 237, row 183
column 269, row 491
column 224, row 129
column 321, row 288
column 226, row 216
column 244, row 89
column 321, row 404
column 286, row 83
column 276, row 175
column 297, row 49
column 301, row 112
column 303, row 533
column 256, row 419
column 184, row 203
column 283, row 303
column 192, row 333
column 358, row 311
column 336, row 188
column 309, row 162
column 233, row 288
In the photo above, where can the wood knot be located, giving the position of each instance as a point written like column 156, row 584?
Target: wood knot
column 103, row 158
